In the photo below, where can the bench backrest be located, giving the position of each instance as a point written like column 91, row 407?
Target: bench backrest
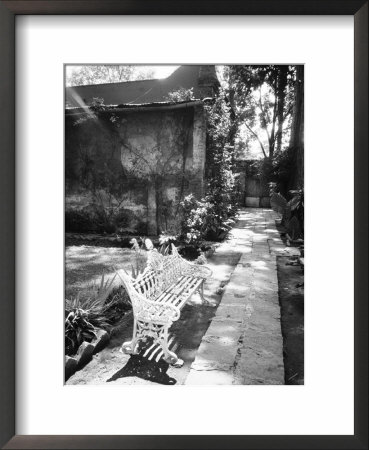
column 161, row 271
column 148, row 284
column 169, row 268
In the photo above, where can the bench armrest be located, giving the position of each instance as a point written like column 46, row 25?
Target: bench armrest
column 197, row 270
column 157, row 311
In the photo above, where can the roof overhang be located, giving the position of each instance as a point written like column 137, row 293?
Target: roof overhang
column 162, row 106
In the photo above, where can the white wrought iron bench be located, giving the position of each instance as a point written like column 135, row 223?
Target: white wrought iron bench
column 157, row 297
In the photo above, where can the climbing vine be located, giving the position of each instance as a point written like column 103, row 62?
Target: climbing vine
column 213, row 216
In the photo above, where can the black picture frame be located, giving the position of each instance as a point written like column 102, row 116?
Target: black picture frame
column 8, row 11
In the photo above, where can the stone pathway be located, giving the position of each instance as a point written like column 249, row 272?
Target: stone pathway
column 243, row 344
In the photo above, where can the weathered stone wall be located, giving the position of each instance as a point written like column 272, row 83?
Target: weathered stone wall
column 126, row 170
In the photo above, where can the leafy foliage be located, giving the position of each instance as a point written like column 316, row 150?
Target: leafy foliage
column 282, row 167
column 101, row 308
column 79, row 221
column 262, row 100
column 140, row 257
column 201, row 259
column 165, row 241
column 106, row 73
column 222, row 189
column 195, row 223
column 77, row 330
column 296, row 208
column 292, row 211
column 203, row 220
column 180, row 95
column 213, row 216
column 95, row 219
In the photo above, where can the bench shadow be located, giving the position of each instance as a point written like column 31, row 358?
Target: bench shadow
column 138, row 366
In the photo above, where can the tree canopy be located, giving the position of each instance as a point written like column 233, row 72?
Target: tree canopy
column 262, row 100
column 105, row 73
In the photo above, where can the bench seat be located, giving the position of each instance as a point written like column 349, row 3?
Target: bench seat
column 178, row 293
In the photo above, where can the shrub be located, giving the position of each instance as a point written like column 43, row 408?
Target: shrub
column 140, row 259
column 165, row 241
column 296, row 211
column 98, row 310
column 140, row 255
column 194, row 224
column 141, row 227
column 203, row 219
column 95, row 219
column 122, row 219
column 281, row 170
column 201, row 259
column 78, row 221
column 77, row 330
column 292, row 211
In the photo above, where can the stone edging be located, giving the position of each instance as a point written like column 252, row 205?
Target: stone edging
column 85, row 352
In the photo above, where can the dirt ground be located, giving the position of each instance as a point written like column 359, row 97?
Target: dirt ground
column 85, row 265
column 291, row 297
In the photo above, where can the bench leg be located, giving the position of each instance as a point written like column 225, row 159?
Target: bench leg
column 201, row 292
column 131, row 347
column 169, row 357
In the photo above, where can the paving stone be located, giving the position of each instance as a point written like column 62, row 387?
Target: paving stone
column 230, row 311
column 258, row 364
column 235, row 297
column 263, row 276
column 262, row 255
column 225, row 329
column 212, row 377
column 219, row 346
column 263, row 323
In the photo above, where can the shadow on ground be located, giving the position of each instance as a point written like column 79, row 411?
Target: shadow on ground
column 138, row 366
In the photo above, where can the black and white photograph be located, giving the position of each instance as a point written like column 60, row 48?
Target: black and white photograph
column 184, row 224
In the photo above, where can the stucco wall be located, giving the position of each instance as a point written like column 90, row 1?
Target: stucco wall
column 128, row 169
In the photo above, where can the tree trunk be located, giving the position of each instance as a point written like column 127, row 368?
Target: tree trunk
column 297, row 132
column 281, row 93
